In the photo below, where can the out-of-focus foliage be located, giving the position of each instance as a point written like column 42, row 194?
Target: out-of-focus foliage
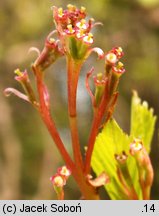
column 112, row 140
column 133, row 25
column 148, row 3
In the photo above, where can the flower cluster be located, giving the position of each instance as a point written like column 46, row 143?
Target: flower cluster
column 106, row 83
column 112, row 59
column 73, row 39
column 73, row 30
column 72, row 22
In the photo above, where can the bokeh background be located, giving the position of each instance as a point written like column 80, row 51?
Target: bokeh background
column 27, row 154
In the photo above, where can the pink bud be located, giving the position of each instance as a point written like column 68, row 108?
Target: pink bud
column 57, row 180
column 64, row 171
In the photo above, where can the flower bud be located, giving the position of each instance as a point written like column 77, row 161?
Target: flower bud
column 64, row 172
column 71, row 8
column 21, row 76
column 144, row 166
column 124, row 175
column 58, row 184
column 118, row 52
column 82, row 24
column 60, row 12
column 88, row 39
column 57, row 181
column 111, row 58
column 70, row 30
column 83, row 9
column 115, row 76
column 49, row 54
column 100, row 83
column 136, row 146
column 118, row 69
column 122, row 158
column 80, row 33
column 24, row 80
column 114, row 55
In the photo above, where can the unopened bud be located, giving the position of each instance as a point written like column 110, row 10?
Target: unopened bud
column 100, row 83
column 57, row 181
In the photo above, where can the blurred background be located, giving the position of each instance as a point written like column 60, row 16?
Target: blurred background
column 28, row 156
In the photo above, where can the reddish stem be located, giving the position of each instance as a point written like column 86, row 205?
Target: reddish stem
column 91, row 141
column 87, row 190
column 98, row 116
column 72, row 82
column 46, row 117
column 94, row 130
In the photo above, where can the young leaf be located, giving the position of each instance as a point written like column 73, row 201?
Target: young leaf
column 112, row 140
column 142, row 121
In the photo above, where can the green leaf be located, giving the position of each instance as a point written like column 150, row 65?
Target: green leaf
column 142, row 121
column 112, row 140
